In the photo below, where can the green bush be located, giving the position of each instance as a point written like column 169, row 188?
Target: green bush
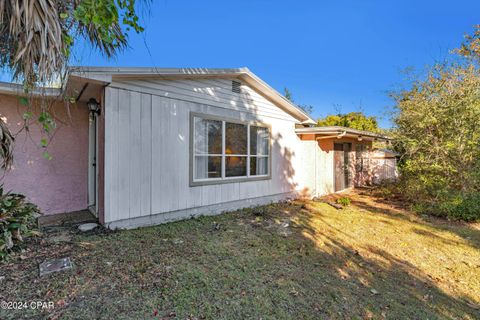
column 466, row 208
column 458, row 206
column 438, row 137
column 387, row 189
column 17, row 219
column 344, row 201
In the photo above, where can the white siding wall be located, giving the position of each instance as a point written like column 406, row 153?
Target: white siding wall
column 309, row 164
column 317, row 169
column 147, row 146
column 325, row 172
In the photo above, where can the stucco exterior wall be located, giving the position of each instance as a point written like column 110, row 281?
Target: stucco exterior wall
column 58, row 185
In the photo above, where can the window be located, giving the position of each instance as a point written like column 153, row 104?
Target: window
column 259, row 149
column 361, row 158
column 208, row 148
column 225, row 151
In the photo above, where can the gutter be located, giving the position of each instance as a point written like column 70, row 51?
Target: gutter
column 16, row 89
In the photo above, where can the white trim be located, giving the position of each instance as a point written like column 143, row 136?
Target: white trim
column 224, row 179
column 17, row 89
column 343, row 131
column 109, row 74
column 92, row 163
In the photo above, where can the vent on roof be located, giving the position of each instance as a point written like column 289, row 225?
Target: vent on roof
column 236, row 86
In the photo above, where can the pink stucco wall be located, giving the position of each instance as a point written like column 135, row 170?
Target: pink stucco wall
column 58, row 185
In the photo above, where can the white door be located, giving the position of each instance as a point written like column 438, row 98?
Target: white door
column 92, row 163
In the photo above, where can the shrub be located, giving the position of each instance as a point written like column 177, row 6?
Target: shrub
column 344, row 201
column 437, row 134
column 466, row 207
column 387, row 189
column 456, row 206
column 17, row 219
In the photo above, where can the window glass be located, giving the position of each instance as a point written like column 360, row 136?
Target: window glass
column 258, row 166
column 235, row 166
column 208, row 136
column 259, row 139
column 208, row 167
column 220, row 150
column 235, row 138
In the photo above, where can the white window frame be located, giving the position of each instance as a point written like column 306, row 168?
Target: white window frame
column 224, row 179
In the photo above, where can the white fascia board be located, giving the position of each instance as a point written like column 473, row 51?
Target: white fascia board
column 16, row 89
column 106, row 74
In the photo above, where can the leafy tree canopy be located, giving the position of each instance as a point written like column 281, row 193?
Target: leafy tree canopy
column 470, row 48
column 354, row 120
column 37, row 36
column 36, row 41
column 438, row 135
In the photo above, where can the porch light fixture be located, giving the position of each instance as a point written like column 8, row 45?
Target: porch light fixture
column 360, row 138
column 93, row 106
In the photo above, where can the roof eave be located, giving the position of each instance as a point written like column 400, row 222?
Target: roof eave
column 15, row 89
column 295, row 110
column 341, row 130
column 107, row 74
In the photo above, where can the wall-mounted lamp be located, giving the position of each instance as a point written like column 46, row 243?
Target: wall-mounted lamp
column 360, row 138
column 93, row 106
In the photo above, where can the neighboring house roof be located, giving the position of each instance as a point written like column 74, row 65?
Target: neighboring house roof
column 108, row 74
column 340, row 132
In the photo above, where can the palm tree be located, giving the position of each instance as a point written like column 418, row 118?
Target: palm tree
column 36, row 37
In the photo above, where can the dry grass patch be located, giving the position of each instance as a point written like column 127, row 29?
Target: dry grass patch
column 299, row 260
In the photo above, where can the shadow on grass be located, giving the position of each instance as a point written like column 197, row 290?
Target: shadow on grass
column 379, row 284
column 290, row 262
column 396, row 210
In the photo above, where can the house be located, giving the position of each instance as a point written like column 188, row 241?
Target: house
column 339, row 158
column 383, row 165
column 142, row 146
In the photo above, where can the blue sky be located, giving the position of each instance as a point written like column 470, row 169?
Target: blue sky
column 331, row 54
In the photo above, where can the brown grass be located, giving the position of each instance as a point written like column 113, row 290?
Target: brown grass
column 302, row 260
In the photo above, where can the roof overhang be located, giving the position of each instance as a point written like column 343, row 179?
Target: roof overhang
column 105, row 75
column 341, row 132
column 10, row 88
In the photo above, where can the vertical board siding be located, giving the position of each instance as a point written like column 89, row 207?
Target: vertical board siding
column 135, row 169
column 383, row 169
column 157, row 140
column 216, row 92
column 124, row 154
column 148, row 155
column 112, row 189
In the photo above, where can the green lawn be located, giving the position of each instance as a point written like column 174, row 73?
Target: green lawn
column 304, row 260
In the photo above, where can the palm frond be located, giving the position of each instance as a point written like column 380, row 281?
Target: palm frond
column 32, row 35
